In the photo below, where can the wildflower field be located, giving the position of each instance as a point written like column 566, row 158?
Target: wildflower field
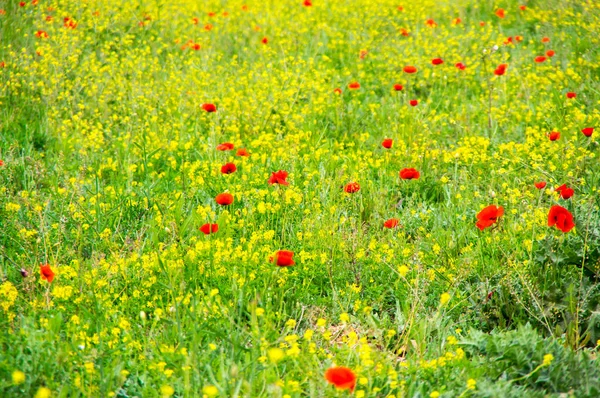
column 299, row 198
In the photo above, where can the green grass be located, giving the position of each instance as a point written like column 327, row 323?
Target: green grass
column 110, row 169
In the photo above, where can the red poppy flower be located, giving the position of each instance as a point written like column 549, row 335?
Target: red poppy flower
column 539, row 59
column 409, row 174
column 264, row 40
column 208, row 27
column 242, row 152
column 2, row 64
column 431, row 23
column 571, row 95
column 226, row 146
column 588, row 131
column 352, row 187
column 460, row 66
column 481, row 23
column 69, row 23
column 46, row 272
column 489, row 216
column 540, row 185
column 224, row 199
column 522, row 7
column 1, row 162
column 519, row 38
column 565, row 192
column 228, row 168
column 413, row 102
column 278, row 177
column 209, row 108
column 553, row 136
column 208, row 229
column 341, row 377
column 391, row 223
column 307, row 3
column 338, row 91
column 22, row 4
column 508, row 41
column 398, row 87
column 195, row 21
column 404, row 32
column 48, row 18
column 362, row 54
column 437, row 61
column 550, row 53
column 284, row 258
column 354, row 86
column 410, row 69
column 545, row 39
column 41, row 34
column 501, row 69
column 500, row 13
column 387, row 143
column 561, row 218
column 457, row 21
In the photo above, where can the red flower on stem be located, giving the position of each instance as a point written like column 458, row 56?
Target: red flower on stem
column 409, row 174
column 224, row 199
column 354, row 86
column 489, row 216
column 228, row 168
column 560, row 218
column 352, row 187
column 209, row 108
column 565, row 192
column 391, row 223
column 501, row 69
column 341, row 377
column 284, row 258
column 208, row 229
column 553, row 136
column 278, row 177
column 46, row 272
column 226, row 146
